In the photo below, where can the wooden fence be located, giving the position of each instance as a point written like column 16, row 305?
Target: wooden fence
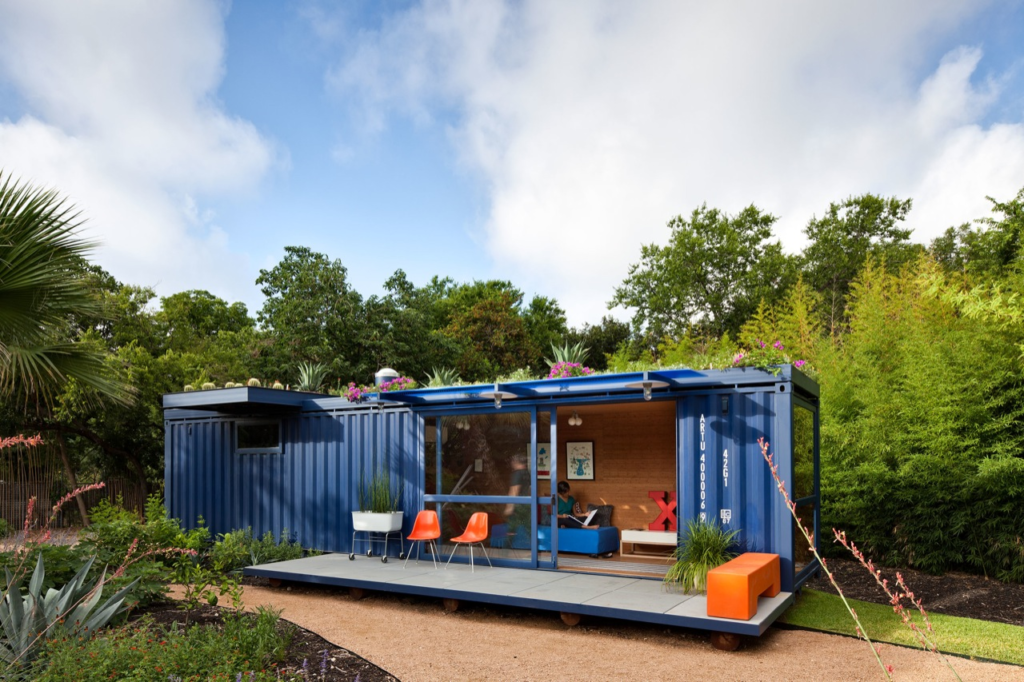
column 38, row 472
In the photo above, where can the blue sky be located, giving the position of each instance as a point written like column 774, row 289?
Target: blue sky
column 533, row 141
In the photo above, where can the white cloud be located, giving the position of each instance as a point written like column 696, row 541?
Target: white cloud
column 593, row 123
column 123, row 120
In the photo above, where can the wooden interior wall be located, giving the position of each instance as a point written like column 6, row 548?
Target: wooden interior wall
column 634, row 452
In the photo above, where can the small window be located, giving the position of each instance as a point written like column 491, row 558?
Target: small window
column 254, row 437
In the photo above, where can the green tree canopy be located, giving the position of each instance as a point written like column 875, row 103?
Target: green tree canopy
column 492, row 336
column 545, row 324
column 710, row 277
column 602, row 339
column 991, row 248
column 311, row 312
column 190, row 317
column 842, row 240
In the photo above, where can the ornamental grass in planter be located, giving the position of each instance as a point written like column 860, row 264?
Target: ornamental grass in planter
column 704, row 545
column 378, row 506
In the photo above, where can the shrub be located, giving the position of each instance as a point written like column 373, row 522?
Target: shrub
column 250, row 645
column 158, row 538
column 239, row 548
column 703, row 546
column 115, row 528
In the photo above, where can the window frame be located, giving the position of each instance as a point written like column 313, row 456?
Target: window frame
column 276, row 450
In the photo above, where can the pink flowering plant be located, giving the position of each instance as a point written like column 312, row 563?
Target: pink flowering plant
column 355, row 393
column 766, row 356
column 565, row 370
column 896, row 597
column 352, row 392
column 399, row 384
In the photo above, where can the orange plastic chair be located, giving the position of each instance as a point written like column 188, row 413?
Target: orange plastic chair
column 425, row 529
column 475, row 534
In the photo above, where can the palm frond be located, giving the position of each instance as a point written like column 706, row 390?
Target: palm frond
column 43, row 286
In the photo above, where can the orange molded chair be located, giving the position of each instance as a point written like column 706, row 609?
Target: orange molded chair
column 425, row 529
column 475, row 534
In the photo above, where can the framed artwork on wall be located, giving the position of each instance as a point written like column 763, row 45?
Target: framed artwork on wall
column 579, row 461
column 543, row 461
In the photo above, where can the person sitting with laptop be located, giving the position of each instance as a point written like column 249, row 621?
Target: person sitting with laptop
column 570, row 514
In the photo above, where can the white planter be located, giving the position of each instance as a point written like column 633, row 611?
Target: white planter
column 377, row 523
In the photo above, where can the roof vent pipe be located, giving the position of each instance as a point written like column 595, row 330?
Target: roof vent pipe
column 385, row 374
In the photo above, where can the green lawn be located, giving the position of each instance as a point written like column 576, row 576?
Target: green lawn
column 964, row 636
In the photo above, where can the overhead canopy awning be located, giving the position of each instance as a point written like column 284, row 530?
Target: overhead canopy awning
column 593, row 385
column 241, row 400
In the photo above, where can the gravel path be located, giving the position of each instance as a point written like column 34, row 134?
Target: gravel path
column 415, row 639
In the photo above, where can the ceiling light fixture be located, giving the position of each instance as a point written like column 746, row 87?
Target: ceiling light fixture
column 498, row 396
column 648, row 384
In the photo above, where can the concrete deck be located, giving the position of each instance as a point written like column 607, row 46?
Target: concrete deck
column 607, row 596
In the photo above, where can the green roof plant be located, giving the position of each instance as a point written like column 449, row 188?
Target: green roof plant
column 311, row 376
column 576, row 353
column 443, row 376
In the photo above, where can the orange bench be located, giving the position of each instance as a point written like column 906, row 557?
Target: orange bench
column 733, row 587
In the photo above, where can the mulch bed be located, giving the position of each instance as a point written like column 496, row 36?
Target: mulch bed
column 306, row 647
column 955, row 594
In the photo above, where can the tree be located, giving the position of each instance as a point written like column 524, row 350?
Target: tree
column 493, row 338
column 403, row 327
column 710, row 277
column 197, row 316
column 545, row 323
column 43, row 287
column 842, row 240
column 989, row 250
column 602, row 339
column 312, row 313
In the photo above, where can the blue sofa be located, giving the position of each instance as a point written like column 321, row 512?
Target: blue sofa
column 574, row 540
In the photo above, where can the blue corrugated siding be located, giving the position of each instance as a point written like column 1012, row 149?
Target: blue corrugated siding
column 745, row 487
column 309, row 489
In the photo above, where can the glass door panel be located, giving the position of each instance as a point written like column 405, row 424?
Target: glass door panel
column 547, row 478
column 482, row 463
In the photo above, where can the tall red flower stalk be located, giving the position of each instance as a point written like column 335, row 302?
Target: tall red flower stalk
column 896, row 598
column 809, row 536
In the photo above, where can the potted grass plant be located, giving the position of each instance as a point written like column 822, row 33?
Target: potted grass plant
column 703, row 546
column 378, row 506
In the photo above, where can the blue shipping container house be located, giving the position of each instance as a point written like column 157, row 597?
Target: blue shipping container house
column 646, row 451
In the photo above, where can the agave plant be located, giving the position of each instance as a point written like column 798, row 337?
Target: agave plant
column 576, row 354
column 27, row 620
column 703, row 546
column 444, row 376
column 311, row 376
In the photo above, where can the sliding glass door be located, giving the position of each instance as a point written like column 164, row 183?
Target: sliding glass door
column 484, row 462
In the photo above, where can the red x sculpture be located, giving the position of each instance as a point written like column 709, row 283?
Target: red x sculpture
column 667, row 517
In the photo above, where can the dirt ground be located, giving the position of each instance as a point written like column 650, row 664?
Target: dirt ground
column 955, row 594
column 415, row 639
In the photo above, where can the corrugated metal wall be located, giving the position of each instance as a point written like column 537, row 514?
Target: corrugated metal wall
column 733, row 484
column 310, row 488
